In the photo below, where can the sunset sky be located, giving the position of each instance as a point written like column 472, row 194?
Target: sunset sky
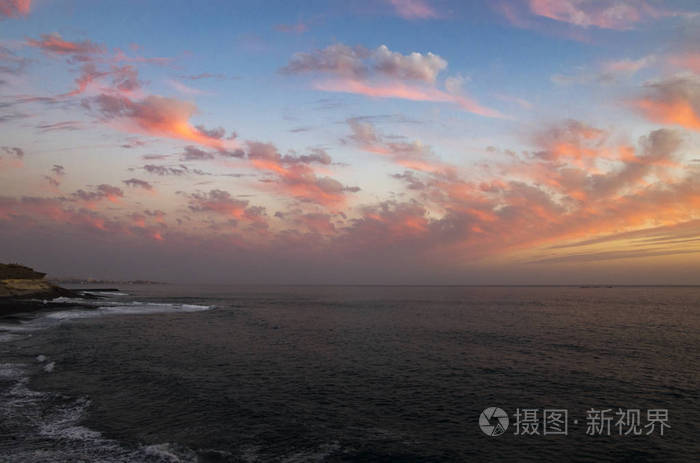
column 386, row 141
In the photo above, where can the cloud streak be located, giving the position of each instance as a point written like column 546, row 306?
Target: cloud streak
column 55, row 44
column 382, row 73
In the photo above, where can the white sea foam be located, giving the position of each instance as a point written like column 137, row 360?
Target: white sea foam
column 8, row 337
column 135, row 308
column 11, row 370
column 57, row 435
column 22, row 327
column 169, row 453
column 64, row 423
column 69, row 300
column 55, row 427
column 9, row 331
column 104, row 293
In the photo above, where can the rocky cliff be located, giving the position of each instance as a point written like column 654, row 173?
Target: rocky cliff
column 19, row 272
column 18, row 281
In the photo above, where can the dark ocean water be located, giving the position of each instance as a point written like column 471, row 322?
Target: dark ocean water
column 335, row 374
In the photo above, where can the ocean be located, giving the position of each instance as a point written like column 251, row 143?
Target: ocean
column 168, row 373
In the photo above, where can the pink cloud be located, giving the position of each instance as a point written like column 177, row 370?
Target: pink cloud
column 382, row 73
column 54, row 43
column 519, row 15
column 222, row 203
column 577, row 19
column 318, row 223
column 689, row 61
column 544, row 205
column 400, row 90
column 56, row 214
column 604, row 14
column 27, row 211
column 411, row 155
column 295, row 177
column 157, row 116
column 14, row 8
column 414, row 9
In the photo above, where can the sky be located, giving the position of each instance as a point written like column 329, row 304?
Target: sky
column 364, row 142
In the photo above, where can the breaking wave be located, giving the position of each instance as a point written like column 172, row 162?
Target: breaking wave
column 48, row 425
column 12, row 331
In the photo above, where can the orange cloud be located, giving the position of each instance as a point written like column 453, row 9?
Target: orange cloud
column 579, row 144
column 159, row 116
column 543, row 199
column 527, row 202
column 296, row 178
column 301, row 182
column 673, row 101
column 671, row 112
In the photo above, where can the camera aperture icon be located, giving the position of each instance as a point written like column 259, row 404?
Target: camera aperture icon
column 493, row 421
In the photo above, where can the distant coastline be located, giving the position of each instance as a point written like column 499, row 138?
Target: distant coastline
column 95, row 281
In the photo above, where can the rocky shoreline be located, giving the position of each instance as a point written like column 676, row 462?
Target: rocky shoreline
column 24, row 290
column 13, row 308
